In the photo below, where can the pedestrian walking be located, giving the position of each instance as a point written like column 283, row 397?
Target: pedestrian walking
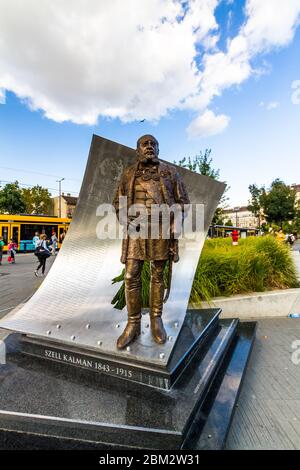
column 1, row 249
column 35, row 239
column 54, row 241
column 291, row 239
column 42, row 252
column 62, row 236
column 11, row 251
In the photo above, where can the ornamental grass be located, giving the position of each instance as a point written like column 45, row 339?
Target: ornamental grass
column 257, row 264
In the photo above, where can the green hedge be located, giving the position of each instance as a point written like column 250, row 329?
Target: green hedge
column 257, row 264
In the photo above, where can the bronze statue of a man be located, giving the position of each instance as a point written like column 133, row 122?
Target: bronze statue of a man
column 146, row 183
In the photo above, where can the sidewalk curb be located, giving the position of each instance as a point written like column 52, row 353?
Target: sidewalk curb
column 277, row 303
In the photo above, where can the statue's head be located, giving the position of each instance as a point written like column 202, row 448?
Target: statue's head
column 147, row 149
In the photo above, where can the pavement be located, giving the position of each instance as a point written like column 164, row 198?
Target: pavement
column 268, row 410
column 18, row 282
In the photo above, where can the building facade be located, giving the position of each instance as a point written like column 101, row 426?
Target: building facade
column 296, row 188
column 64, row 205
column 240, row 217
column 243, row 218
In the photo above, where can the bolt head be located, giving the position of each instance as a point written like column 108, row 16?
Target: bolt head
column 162, row 355
column 176, row 324
column 128, row 349
column 58, row 326
column 170, row 338
column 99, row 343
column 73, row 338
column 88, row 326
column 48, row 332
column 118, row 325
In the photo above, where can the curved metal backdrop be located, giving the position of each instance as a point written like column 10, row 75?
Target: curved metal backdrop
column 73, row 304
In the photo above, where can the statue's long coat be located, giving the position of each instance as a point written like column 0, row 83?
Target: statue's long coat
column 172, row 191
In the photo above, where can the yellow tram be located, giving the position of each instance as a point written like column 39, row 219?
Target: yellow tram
column 22, row 228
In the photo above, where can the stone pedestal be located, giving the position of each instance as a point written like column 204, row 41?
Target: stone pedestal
column 47, row 402
column 198, row 327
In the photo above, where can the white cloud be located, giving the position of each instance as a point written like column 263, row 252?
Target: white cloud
column 208, row 124
column 269, row 24
column 131, row 60
column 273, row 105
column 2, row 96
column 269, row 106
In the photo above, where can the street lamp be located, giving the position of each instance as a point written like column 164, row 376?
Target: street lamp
column 236, row 209
column 59, row 191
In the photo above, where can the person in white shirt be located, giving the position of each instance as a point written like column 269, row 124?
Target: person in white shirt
column 54, row 243
column 35, row 239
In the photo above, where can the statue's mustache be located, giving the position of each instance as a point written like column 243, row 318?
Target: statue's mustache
column 148, row 158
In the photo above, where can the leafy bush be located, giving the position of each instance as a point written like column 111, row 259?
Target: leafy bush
column 257, row 264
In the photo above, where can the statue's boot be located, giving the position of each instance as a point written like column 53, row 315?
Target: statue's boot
column 131, row 332
column 156, row 302
column 157, row 329
column 133, row 301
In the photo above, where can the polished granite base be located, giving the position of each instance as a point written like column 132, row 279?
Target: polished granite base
column 211, row 425
column 197, row 328
column 52, row 405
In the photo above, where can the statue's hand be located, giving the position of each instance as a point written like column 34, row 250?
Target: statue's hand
column 133, row 224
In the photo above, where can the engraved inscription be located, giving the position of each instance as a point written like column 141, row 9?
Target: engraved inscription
column 53, row 355
column 88, row 363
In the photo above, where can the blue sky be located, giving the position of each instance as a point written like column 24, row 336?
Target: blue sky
column 249, row 120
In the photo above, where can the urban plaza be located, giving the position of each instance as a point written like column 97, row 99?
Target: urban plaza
column 149, row 230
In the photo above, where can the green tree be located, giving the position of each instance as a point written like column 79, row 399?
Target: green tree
column 278, row 203
column 11, row 199
column 218, row 218
column 37, row 200
column 229, row 223
column 203, row 164
column 255, row 202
